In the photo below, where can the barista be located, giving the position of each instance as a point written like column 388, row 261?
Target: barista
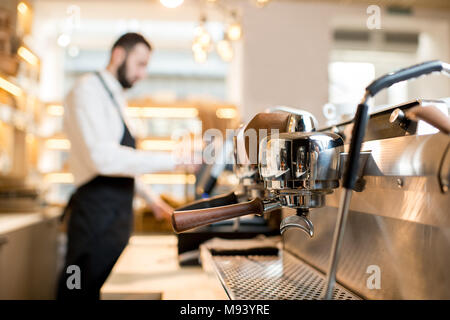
column 105, row 164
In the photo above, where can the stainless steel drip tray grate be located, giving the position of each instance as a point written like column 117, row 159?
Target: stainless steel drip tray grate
column 281, row 277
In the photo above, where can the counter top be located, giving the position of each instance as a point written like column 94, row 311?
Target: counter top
column 12, row 221
column 148, row 269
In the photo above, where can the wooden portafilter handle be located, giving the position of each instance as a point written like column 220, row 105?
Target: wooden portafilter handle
column 432, row 115
column 189, row 219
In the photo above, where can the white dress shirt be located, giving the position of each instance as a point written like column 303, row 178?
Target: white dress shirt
column 94, row 127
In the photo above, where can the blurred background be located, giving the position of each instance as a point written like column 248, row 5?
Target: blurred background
column 215, row 64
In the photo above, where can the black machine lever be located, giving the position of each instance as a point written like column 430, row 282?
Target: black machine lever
column 408, row 73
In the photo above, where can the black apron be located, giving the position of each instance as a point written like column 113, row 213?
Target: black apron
column 100, row 224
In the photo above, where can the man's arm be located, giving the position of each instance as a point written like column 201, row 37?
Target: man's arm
column 160, row 209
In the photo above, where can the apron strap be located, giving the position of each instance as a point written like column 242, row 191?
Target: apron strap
column 69, row 205
column 111, row 95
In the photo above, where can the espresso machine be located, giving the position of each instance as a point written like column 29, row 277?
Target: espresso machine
column 246, row 153
column 250, row 186
column 365, row 207
column 257, row 192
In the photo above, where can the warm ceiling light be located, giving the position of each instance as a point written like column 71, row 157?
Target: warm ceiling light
column 198, row 30
column 168, row 178
column 204, row 39
column 9, row 87
column 225, row 50
column 57, row 144
column 171, row 3
column 197, row 47
column 200, row 56
column 262, row 3
column 55, row 110
column 28, row 56
column 59, row 178
column 161, row 112
column 234, row 31
column 202, row 42
column 157, row 145
column 226, row 113
column 22, row 7
column 202, row 36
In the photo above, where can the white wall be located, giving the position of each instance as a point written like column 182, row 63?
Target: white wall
column 284, row 60
column 283, row 57
column 286, row 50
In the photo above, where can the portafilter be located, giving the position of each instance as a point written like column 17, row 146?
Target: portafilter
column 251, row 186
column 299, row 169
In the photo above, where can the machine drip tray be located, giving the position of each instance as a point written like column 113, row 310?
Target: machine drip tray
column 280, row 277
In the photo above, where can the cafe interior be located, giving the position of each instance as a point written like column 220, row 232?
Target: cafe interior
column 347, row 200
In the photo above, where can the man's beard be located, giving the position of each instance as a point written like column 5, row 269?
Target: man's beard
column 122, row 75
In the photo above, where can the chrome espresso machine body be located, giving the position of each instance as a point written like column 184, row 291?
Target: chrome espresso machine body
column 397, row 226
column 397, row 235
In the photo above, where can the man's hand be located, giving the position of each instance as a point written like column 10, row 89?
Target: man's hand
column 161, row 210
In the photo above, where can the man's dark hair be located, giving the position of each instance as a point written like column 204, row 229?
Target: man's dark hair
column 129, row 40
